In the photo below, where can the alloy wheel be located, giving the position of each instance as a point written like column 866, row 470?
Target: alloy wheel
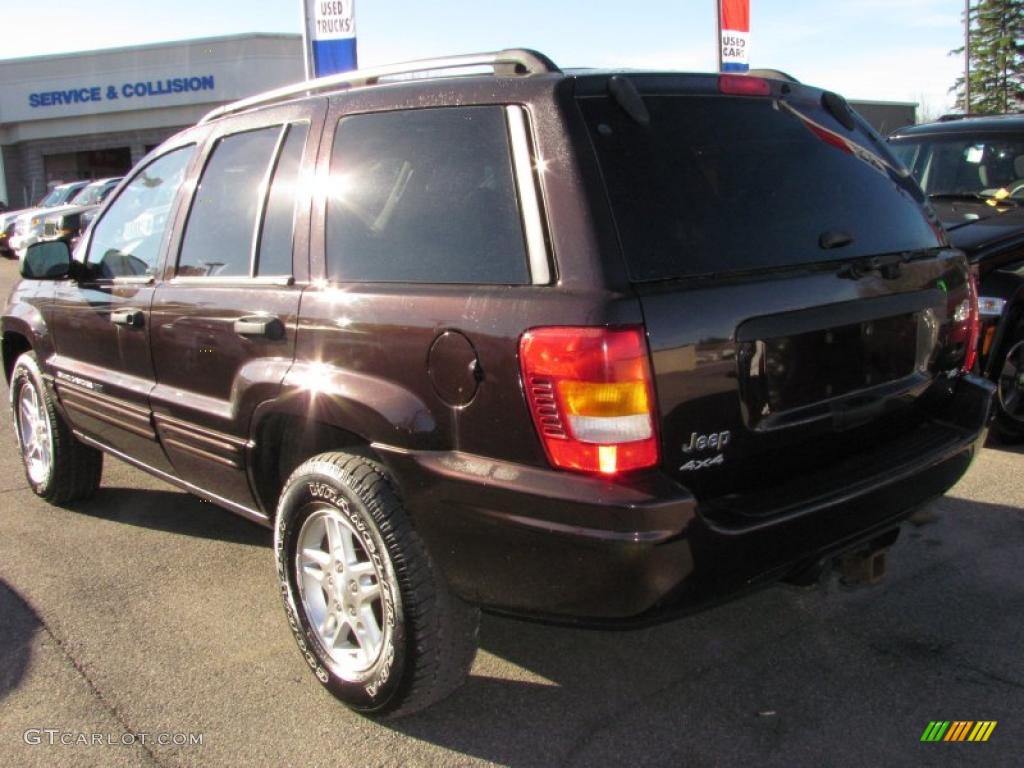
column 340, row 588
column 34, row 433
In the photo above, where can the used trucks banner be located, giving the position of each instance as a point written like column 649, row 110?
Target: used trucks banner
column 330, row 36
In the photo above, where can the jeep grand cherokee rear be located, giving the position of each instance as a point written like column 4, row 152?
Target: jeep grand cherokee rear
column 589, row 346
column 793, row 387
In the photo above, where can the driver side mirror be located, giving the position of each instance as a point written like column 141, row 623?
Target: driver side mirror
column 47, row 261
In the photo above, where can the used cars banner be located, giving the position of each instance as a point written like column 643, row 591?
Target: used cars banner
column 734, row 35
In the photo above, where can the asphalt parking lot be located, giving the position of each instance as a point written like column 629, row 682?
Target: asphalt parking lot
column 146, row 610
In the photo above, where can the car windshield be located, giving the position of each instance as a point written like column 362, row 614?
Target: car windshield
column 965, row 165
column 53, row 197
column 92, row 194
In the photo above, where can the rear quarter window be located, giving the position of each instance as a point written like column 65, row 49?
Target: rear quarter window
column 424, row 196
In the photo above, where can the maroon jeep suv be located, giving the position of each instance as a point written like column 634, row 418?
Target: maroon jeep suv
column 589, row 346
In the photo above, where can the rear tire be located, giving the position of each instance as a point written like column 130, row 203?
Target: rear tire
column 370, row 612
column 59, row 468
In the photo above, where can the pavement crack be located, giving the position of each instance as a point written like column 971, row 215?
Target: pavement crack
column 95, row 690
column 992, row 675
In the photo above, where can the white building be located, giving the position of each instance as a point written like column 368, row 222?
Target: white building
column 96, row 113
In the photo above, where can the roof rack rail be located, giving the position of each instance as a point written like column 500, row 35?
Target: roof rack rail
column 513, row 61
column 772, row 74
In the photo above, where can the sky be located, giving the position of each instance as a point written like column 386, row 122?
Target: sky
column 865, row 49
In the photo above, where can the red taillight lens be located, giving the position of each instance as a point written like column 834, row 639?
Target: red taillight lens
column 966, row 325
column 591, row 397
column 973, row 322
column 743, row 85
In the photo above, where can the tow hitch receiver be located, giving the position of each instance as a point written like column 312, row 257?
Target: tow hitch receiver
column 860, row 567
column 864, row 567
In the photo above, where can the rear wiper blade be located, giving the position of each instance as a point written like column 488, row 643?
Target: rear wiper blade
column 888, row 266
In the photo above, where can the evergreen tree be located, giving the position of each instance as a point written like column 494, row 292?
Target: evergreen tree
column 996, row 58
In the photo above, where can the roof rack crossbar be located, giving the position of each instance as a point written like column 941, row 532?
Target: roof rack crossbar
column 514, row 61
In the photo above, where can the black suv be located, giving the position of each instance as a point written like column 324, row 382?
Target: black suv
column 973, row 172
column 587, row 346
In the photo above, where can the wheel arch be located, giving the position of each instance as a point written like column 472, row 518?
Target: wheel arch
column 23, row 330
column 325, row 408
column 14, row 345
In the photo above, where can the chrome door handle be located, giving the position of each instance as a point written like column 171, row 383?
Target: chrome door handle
column 130, row 317
column 265, row 326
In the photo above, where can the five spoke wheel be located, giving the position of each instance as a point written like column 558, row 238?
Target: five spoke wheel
column 34, row 432
column 340, row 589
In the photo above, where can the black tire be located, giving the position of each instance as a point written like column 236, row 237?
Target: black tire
column 75, row 469
column 429, row 636
column 1009, row 420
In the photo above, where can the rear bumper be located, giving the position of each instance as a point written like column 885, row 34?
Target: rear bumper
column 572, row 547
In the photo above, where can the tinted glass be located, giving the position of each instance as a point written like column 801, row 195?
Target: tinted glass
column 990, row 166
column 82, row 196
column 275, row 251
column 717, row 184
column 126, row 241
column 424, row 196
column 219, row 232
column 53, row 197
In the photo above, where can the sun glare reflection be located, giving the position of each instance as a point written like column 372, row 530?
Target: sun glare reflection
column 315, row 379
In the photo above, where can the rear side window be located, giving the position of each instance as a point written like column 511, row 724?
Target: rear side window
column 717, row 184
column 249, row 179
column 275, row 248
column 424, row 196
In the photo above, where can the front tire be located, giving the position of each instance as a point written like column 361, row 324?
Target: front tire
column 1009, row 421
column 370, row 612
column 59, row 468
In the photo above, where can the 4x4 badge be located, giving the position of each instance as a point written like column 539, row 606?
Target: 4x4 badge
column 694, row 464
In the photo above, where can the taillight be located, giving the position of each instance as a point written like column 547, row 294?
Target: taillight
column 967, row 322
column 591, row 397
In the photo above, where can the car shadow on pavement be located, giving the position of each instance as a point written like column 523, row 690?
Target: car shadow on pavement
column 1003, row 446
column 174, row 512
column 18, row 626
column 752, row 676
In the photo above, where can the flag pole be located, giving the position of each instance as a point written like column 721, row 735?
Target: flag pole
column 967, row 57
column 307, row 49
column 718, row 32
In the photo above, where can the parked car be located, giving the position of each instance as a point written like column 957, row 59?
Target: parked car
column 973, row 172
column 67, row 222
column 591, row 346
column 28, row 223
column 6, row 232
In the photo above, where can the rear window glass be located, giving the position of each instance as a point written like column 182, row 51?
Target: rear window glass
column 424, row 196
column 717, row 184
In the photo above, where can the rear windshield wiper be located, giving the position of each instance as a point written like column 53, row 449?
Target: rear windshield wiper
column 888, row 266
